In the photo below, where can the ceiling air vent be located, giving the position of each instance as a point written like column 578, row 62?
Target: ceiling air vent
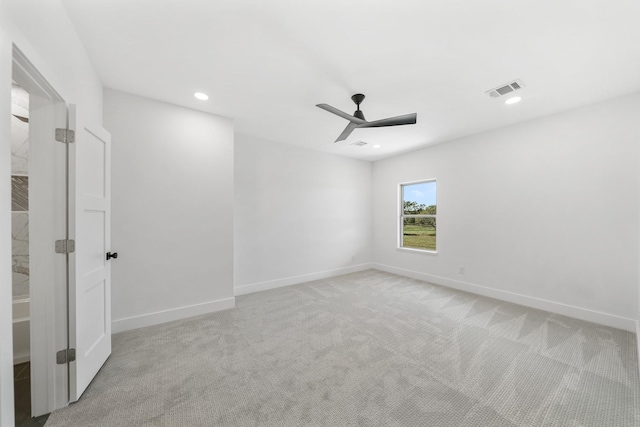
column 505, row 89
column 359, row 143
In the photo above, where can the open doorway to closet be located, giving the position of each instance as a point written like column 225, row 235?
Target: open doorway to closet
column 39, row 210
column 20, row 252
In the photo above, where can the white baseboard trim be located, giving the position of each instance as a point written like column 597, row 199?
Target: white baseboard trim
column 288, row 281
column 21, row 359
column 638, row 340
column 150, row 319
column 538, row 303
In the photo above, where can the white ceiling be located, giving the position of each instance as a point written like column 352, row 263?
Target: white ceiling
column 267, row 63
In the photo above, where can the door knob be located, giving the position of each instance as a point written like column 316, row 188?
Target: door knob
column 112, row 255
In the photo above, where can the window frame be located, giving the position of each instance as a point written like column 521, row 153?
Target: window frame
column 402, row 216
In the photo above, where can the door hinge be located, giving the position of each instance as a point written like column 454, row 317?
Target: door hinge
column 64, row 356
column 65, row 246
column 65, row 135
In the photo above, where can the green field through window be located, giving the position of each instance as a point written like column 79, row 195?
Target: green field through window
column 419, row 236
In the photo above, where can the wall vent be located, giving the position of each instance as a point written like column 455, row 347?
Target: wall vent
column 505, row 89
column 359, row 143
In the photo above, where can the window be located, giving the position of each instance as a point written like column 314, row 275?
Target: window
column 418, row 215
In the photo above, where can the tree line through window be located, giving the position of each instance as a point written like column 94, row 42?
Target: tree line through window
column 418, row 215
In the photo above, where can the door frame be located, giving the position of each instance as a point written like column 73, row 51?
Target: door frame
column 48, row 304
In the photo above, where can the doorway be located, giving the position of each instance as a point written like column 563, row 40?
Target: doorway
column 39, row 219
column 20, row 252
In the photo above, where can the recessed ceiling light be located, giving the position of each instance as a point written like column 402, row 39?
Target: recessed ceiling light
column 377, row 146
column 201, row 96
column 513, row 100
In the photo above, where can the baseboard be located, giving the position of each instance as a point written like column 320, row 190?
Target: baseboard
column 288, row 281
column 170, row 315
column 638, row 340
column 21, row 359
column 538, row 303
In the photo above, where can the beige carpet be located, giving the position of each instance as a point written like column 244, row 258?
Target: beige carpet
column 366, row 349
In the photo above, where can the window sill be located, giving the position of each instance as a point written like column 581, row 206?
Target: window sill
column 418, row 251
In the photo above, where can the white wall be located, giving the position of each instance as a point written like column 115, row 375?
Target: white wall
column 543, row 213
column 45, row 35
column 299, row 215
column 172, row 210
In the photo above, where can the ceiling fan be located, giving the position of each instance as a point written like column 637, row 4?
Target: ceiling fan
column 358, row 120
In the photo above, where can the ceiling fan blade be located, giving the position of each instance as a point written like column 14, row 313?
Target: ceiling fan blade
column 342, row 114
column 22, row 119
column 407, row 119
column 346, row 132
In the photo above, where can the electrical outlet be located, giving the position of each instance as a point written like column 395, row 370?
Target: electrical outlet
column 461, row 270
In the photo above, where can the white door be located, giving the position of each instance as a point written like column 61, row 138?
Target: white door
column 90, row 290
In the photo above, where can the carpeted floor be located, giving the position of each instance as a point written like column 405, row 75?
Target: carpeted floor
column 366, row 349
